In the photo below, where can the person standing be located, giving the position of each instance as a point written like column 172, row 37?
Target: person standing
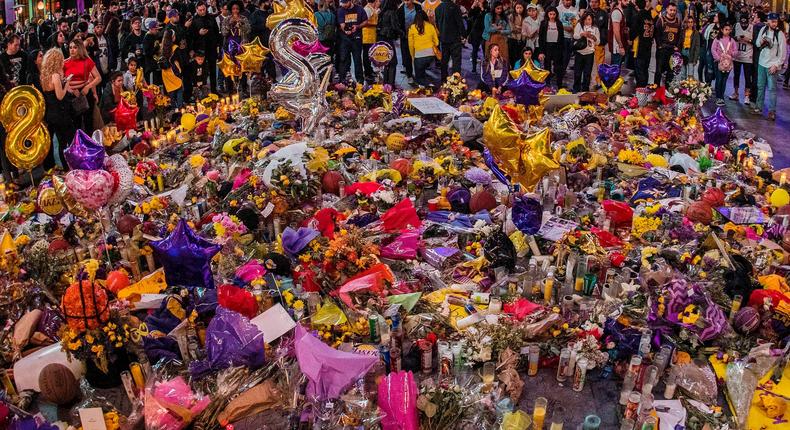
column 631, row 13
column 515, row 41
column 14, row 60
column 101, row 52
column 407, row 11
column 450, row 25
column 326, row 22
column 423, row 45
column 586, row 32
column 569, row 16
column 496, row 28
column 601, row 21
column 351, row 17
column 551, row 39
column 85, row 78
column 151, row 48
column 618, row 34
column 668, row 37
column 743, row 58
column 369, row 36
column 531, row 27
column 643, row 42
column 112, row 28
column 58, row 114
column 758, row 22
column 204, row 35
column 773, row 54
column 476, row 20
column 724, row 50
column 691, row 47
column 389, row 31
column 134, row 42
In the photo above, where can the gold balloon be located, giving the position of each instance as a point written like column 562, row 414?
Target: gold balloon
column 501, row 136
column 49, row 202
column 250, row 62
column 188, row 121
column 22, row 113
column 256, row 46
column 536, row 159
column 525, row 158
column 68, row 201
column 611, row 91
column 292, row 9
column 229, row 68
column 536, row 74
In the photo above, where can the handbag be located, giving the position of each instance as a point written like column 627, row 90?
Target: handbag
column 725, row 62
column 579, row 44
column 80, row 103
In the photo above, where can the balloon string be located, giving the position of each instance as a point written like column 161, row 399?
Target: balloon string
column 104, row 233
column 32, row 181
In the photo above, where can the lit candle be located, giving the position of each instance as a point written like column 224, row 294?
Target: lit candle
column 783, row 179
column 763, row 156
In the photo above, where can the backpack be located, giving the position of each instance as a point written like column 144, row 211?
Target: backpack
column 327, row 28
column 725, row 62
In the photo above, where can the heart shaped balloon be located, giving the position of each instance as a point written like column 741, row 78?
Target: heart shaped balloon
column 123, row 178
column 90, row 188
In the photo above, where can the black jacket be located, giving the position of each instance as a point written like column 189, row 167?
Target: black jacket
column 601, row 20
column 449, row 22
column 476, row 24
column 208, row 43
column 258, row 26
column 130, row 44
column 402, row 18
column 388, row 27
column 544, row 28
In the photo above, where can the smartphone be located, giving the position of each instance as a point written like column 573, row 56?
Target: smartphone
column 68, row 78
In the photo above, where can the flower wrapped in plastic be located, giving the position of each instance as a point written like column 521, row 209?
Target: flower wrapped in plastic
column 171, row 404
column 231, row 340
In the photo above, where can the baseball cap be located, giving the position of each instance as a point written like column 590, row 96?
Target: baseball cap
column 172, row 13
column 151, row 23
column 773, row 15
column 532, row 6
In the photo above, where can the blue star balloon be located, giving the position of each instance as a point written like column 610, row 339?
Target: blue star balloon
column 526, row 89
column 186, row 257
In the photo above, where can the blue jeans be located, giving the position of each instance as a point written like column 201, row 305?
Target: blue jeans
column 421, row 64
column 765, row 79
column 721, row 82
column 177, row 97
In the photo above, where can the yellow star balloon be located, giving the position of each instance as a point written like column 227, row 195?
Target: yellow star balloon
column 292, row 9
column 256, row 47
column 501, row 137
column 229, row 68
column 249, row 61
column 525, row 158
column 536, row 159
column 536, row 74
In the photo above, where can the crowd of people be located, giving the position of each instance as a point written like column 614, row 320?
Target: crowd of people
column 83, row 63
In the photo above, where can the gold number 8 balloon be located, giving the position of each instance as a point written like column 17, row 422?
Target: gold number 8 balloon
column 300, row 91
column 27, row 140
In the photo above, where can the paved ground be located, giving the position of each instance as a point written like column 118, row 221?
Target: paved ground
column 776, row 133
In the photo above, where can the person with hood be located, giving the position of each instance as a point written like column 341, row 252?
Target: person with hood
column 773, row 56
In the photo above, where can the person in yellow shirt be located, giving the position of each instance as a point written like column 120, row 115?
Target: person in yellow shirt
column 369, row 36
column 423, row 46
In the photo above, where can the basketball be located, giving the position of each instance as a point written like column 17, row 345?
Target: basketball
column 57, row 384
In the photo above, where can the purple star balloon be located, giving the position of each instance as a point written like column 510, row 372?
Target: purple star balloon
column 718, row 128
column 609, row 73
column 84, row 153
column 186, row 257
column 526, row 89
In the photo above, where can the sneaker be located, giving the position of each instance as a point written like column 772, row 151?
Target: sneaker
column 720, row 102
column 734, row 96
column 746, row 100
column 772, row 116
column 755, row 111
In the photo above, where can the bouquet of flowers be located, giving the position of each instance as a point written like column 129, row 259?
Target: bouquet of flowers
column 455, row 89
column 691, row 91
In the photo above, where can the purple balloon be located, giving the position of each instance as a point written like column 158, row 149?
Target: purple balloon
column 186, row 257
column 234, row 48
column 525, row 89
column 489, row 160
column 718, row 128
column 609, row 73
column 527, row 214
column 84, row 153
